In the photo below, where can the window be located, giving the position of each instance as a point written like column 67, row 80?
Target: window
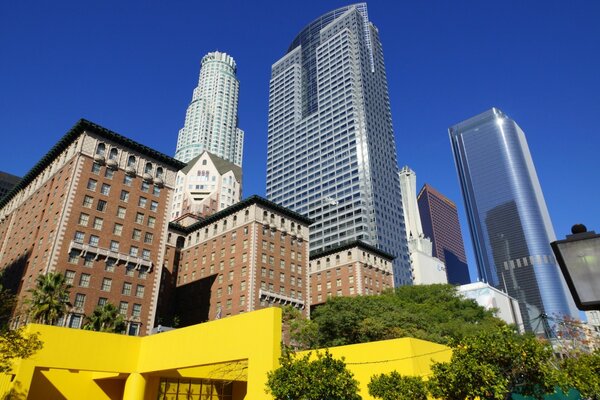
column 148, row 237
column 87, row 201
column 106, row 284
column 101, row 205
column 129, row 269
column 142, row 202
column 148, row 168
column 91, row 185
column 79, row 236
column 102, row 301
column 84, row 280
column 98, row 223
column 153, row 205
column 105, row 189
column 159, row 172
column 123, row 306
column 79, row 300
column 118, row 229
column 145, row 187
column 127, row 180
column 121, row 212
column 69, row 277
column 156, row 191
column 139, row 291
column 139, row 218
column 131, row 161
column 126, row 289
column 143, row 274
column 110, row 265
column 136, row 310
column 146, row 254
column 94, row 240
column 101, row 149
column 124, row 195
column 133, row 251
column 151, row 222
column 114, row 246
column 136, row 235
column 95, row 168
column 88, row 260
column 83, row 219
column 74, row 256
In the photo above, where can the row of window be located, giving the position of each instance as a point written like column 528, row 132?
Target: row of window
column 136, row 310
column 113, row 154
column 84, row 281
column 101, row 205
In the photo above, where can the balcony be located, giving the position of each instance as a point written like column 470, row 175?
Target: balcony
column 120, row 258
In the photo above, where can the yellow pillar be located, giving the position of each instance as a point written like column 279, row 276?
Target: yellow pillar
column 135, row 387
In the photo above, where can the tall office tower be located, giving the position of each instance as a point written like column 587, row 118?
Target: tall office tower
column 508, row 218
column 331, row 149
column 426, row 269
column 211, row 121
column 439, row 218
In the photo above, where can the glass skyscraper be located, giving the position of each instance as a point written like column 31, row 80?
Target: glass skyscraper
column 331, row 148
column 508, row 218
column 211, row 121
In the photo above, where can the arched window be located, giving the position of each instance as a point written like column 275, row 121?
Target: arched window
column 114, row 154
column 101, row 149
column 159, row 172
column 148, row 168
column 131, row 161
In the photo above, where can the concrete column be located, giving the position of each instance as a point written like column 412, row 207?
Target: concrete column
column 135, row 387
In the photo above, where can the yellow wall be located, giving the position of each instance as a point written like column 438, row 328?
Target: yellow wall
column 77, row 364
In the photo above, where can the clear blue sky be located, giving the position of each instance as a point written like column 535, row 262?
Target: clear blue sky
column 131, row 66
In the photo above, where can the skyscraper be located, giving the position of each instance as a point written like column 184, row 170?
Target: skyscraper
column 211, row 121
column 440, row 223
column 331, row 149
column 507, row 214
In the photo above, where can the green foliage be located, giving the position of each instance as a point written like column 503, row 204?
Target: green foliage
column 299, row 332
column 305, row 379
column 394, row 386
column 582, row 373
column 16, row 344
column 431, row 312
column 105, row 318
column 492, row 365
column 49, row 299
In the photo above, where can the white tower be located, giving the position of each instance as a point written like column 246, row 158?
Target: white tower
column 211, row 121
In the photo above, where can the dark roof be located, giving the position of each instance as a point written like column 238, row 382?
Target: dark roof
column 221, row 165
column 237, row 207
column 81, row 126
column 349, row 245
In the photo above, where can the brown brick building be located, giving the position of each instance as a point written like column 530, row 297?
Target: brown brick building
column 349, row 270
column 251, row 255
column 94, row 208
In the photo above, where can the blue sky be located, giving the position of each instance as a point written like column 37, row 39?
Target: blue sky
column 131, row 66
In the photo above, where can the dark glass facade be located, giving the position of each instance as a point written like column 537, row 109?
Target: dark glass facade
column 509, row 222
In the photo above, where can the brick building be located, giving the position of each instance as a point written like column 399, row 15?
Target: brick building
column 251, row 255
column 95, row 208
column 349, row 270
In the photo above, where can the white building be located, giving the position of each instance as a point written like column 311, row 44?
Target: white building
column 206, row 185
column 211, row 121
column 488, row 297
column 426, row 269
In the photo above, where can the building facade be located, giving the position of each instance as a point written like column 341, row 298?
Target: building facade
column 95, row 209
column 331, row 147
column 439, row 218
column 7, row 182
column 211, row 120
column 206, row 185
column 509, row 222
column 249, row 256
column 349, row 270
column 426, row 269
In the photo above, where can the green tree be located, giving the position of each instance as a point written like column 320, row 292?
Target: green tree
column 493, row 365
column 394, row 386
column 431, row 312
column 582, row 373
column 298, row 332
column 49, row 299
column 105, row 318
column 300, row 378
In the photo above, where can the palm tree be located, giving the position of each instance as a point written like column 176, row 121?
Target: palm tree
column 105, row 318
column 49, row 300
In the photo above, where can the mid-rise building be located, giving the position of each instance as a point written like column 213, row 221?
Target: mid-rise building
column 331, row 147
column 211, row 120
column 349, row 270
column 490, row 298
column 509, row 222
column 7, row 182
column 206, row 185
column 96, row 209
column 249, row 256
column 439, row 218
column 426, row 269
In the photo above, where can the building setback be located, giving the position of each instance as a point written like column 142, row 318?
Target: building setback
column 509, row 222
column 95, row 208
column 249, row 256
column 439, row 218
column 331, row 147
column 211, row 120
column 349, row 270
